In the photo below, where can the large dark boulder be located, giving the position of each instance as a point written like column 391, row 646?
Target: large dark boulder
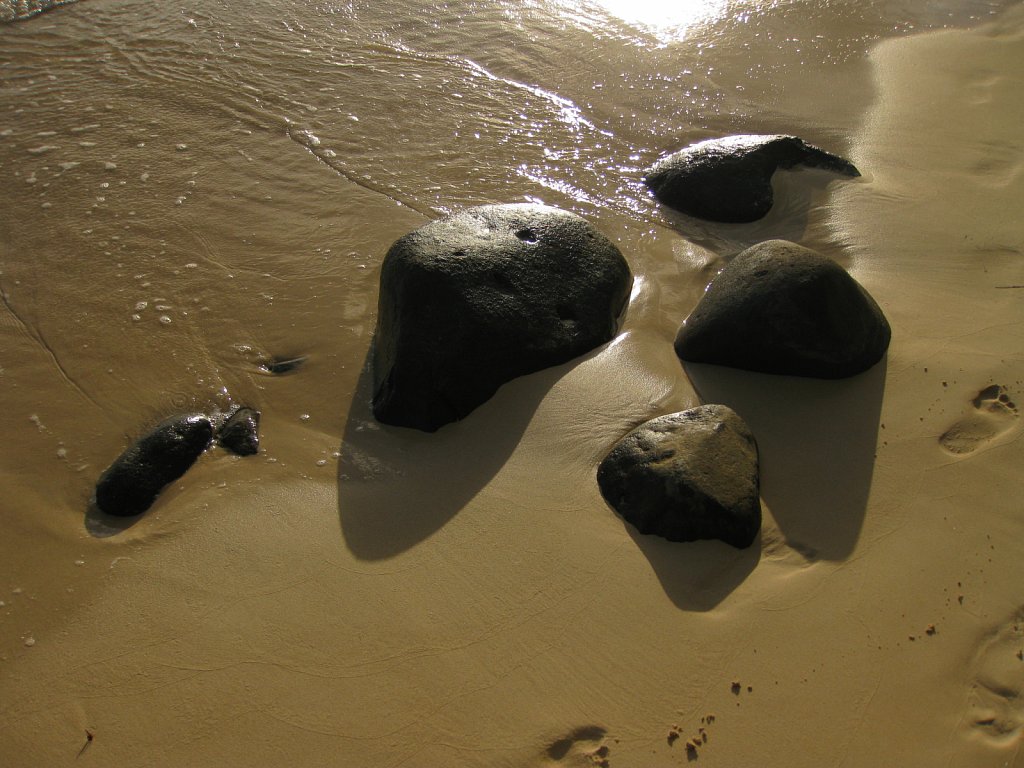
column 131, row 484
column 475, row 299
column 729, row 179
column 687, row 476
column 780, row 308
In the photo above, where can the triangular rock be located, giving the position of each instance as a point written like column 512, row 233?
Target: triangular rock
column 778, row 307
column 687, row 476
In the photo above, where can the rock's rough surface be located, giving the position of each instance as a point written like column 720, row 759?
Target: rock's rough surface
column 687, row 476
column 780, row 308
column 131, row 484
column 729, row 179
column 475, row 299
column 240, row 434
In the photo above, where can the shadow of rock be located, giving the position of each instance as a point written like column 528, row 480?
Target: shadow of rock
column 697, row 575
column 100, row 525
column 398, row 486
column 816, row 442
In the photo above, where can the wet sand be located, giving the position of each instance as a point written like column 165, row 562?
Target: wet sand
column 367, row 595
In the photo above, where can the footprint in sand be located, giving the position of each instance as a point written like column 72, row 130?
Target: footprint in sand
column 994, row 163
column 978, row 87
column 994, row 413
column 583, row 747
column 997, row 693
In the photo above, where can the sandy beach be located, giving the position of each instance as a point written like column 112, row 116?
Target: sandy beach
column 193, row 190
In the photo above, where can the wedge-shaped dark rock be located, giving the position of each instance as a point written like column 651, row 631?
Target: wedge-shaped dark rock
column 730, row 179
column 475, row 299
column 131, row 484
column 687, row 476
column 279, row 366
column 780, row 308
column 240, row 434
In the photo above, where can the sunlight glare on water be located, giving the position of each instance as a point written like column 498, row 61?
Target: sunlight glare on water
column 666, row 21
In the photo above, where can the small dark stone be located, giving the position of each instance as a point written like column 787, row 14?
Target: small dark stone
column 687, row 476
column 780, row 308
column 729, row 179
column 131, row 484
column 240, row 434
column 473, row 300
column 282, row 365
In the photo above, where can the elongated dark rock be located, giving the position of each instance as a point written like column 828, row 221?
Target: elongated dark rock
column 687, row 476
column 729, row 179
column 282, row 365
column 131, row 484
column 473, row 300
column 778, row 307
column 240, row 434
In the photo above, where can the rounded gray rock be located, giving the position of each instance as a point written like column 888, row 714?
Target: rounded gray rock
column 475, row 299
column 780, row 308
column 687, row 476
column 729, row 179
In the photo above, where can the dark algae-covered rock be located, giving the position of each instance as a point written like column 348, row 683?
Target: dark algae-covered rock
column 131, row 484
column 240, row 434
column 475, row 299
column 780, row 308
column 729, row 179
column 687, row 476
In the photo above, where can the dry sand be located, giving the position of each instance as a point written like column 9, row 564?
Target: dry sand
column 367, row 596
